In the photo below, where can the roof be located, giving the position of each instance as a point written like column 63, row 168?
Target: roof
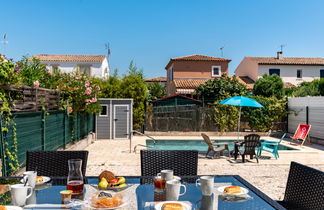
column 156, row 79
column 71, row 58
column 196, row 58
column 287, row 60
column 288, row 85
column 176, row 95
column 193, row 84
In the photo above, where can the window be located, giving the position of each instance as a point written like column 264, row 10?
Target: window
column 274, row 71
column 84, row 69
column 55, row 69
column 104, row 111
column 299, row 73
column 322, row 73
column 216, row 71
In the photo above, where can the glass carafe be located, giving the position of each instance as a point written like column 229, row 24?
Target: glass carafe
column 75, row 177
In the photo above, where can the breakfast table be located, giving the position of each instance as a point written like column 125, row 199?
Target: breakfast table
column 142, row 196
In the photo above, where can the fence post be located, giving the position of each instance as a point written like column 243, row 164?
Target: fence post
column 64, row 128
column 43, row 130
column 307, row 115
column 2, row 151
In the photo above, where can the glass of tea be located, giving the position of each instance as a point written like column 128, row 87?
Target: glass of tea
column 159, row 184
column 75, row 177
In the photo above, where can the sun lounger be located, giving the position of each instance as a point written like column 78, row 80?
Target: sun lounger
column 302, row 133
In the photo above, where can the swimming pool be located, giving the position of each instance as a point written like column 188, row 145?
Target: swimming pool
column 199, row 145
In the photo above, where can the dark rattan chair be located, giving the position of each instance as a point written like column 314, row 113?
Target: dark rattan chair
column 305, row 188
column 182, row 162
column 250, row 143
column 54, row 163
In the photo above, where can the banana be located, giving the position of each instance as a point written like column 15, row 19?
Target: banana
column 121, row 185
column 121, row 180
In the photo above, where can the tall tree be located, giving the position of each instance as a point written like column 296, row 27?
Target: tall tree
column 268, row 86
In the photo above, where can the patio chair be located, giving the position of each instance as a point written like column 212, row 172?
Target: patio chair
column 302, row 133
column 211, row 146
column 54, row 163
column 182, row 162
column 271, row 146
column 251, row 142
column 305, row 188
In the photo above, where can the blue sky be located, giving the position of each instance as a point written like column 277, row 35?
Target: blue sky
column 150, row 32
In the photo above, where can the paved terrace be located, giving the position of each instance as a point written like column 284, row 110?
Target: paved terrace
column 270, row 175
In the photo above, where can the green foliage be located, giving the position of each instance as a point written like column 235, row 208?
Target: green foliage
column 261, row 119
column 110, row 88
column 155, row 91
column 268, row 86
column 133, row 86
column 314, row 88
column 220, row 88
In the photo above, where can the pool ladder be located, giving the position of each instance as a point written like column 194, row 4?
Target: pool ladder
column 142, row 145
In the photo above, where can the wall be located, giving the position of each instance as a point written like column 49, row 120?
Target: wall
column 197, row 69
column 297, row 114
column 288, row 73
column 247, row 68
column 97, row 69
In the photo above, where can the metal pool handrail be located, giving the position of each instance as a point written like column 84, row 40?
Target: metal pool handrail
column 154, row 140
column 141, row 145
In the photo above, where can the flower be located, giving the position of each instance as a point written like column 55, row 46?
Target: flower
column 87, row 83
column 16, row 68
column 36, row 84
column 94, row 100
column 88, row 91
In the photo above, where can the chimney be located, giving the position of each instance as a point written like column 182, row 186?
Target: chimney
column 279, row 55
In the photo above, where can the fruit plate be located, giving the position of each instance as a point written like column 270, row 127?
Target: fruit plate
column 243, row 191
column 113, row 188
column 185, row 205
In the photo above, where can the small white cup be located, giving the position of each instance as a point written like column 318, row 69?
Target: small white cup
column 31, row 175
column 166, row 174
column 172, row 190
column 19, row 194
column 206, row 184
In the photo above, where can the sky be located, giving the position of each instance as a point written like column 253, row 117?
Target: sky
column 150, row 32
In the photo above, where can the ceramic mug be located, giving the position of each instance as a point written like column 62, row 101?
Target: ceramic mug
column 166, row 174
column 206, row 184
column 19, row 194
column 172, row 190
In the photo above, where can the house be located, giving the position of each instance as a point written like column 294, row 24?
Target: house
column 160, row 80
column 292, row 70
column 94, row 65
column 185, row 74
column 175, row 100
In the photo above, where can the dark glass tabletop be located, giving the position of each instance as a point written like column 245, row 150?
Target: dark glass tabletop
column 50, row 193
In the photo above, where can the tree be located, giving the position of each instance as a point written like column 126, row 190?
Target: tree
column 133, row 86
column 308, row 89
column 155, row 91
column 110, row 88
column 268, row 86
column 220, row 88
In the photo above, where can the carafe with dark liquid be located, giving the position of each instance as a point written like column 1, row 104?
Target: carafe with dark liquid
column 75, row 177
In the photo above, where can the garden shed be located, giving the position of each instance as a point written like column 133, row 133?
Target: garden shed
column 116, row 119
column 176, row 100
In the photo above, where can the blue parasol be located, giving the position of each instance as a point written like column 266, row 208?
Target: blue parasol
column 241, row 101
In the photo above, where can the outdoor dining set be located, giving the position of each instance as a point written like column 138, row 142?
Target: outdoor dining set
column 167, row 178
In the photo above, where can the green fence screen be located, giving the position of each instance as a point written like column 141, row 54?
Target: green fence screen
column 48, row 130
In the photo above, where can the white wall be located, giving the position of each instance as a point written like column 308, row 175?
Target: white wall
column 247, row 68
column 297, row 114
column 97, row 69
column 288, row 73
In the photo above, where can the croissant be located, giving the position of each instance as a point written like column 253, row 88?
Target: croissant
column 232, row 189
column 172, row 206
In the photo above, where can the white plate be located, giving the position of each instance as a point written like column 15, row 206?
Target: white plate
column 13, row 208
column 243, row 190
column 159, row 205
column 45, row 179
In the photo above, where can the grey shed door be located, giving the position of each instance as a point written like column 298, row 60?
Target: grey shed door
column 121, row 121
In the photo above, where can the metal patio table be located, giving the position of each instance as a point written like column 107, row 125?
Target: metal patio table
column 145, row 194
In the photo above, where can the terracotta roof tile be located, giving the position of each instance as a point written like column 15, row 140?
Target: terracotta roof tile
column 196, row 58
column 288, row 85
column 156, row 79
column 247, row 81
column 71, row 58
column 288, row 60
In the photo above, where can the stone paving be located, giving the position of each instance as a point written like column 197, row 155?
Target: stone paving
column 270, row 175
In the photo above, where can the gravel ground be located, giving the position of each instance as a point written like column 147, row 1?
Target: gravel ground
column 270, row 175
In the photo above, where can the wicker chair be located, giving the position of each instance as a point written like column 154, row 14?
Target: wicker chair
column 54, row 163
column 182, row 162
column 305, row 188
column 250, row 143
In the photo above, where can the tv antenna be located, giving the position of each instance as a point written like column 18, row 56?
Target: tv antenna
column 222, row 51
column 281, row 47
column 107, row 47
column 4, row 42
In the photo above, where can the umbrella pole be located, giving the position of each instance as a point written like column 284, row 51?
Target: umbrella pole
column 238, row 124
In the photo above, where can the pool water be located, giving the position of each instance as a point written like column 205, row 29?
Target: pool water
column 199, row 145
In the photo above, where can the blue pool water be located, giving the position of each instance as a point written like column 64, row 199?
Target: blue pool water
column 199, row 145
